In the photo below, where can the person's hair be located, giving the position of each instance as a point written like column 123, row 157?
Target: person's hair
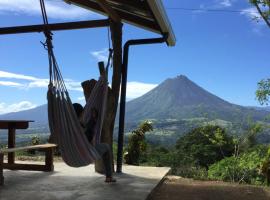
column 78, row 109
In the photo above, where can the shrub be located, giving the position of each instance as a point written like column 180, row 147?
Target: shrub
column 205, row 145
column 35, row 140
column 160, row 156
column 246, row 168
column 137, row 144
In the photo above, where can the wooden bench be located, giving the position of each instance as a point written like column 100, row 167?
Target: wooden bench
column 47, row 148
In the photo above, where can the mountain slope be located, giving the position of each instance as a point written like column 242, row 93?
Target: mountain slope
column 38, row 114
column 180, row 98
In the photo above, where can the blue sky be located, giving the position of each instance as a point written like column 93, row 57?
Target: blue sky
column 225, row 53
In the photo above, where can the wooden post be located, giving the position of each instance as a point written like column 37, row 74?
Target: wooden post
column 11, row 144
column 1, row 169
column 49, row 159
column 113, row 94
column 88, row 86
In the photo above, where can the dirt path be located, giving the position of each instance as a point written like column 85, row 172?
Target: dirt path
column 176, row 188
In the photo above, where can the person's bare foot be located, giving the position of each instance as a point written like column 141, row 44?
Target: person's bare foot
column 110, row 180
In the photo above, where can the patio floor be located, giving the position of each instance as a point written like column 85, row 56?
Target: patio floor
column 65, row 182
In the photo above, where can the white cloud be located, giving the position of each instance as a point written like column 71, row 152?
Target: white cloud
column 225, row 3
column 101, row 55
column 251, row 13
column 137, row 89
column 39, row 83
column 27, row 82
column 4, row 74
column 73, row 85
column 16, row 107
column 214, row 5
column 255, row 18
column 134, row 89
column 81, row 98
column 10, row 83
column 55, row 9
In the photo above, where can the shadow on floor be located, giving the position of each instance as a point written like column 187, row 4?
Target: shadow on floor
column 80, row 183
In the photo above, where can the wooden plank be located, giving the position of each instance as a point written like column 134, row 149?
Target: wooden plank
column 55, row 27
column 138, row 4
column 28, row 167
column 6, row 124
column 41, row 146
column 11, row 120
column 125, row 16
column 111, row 13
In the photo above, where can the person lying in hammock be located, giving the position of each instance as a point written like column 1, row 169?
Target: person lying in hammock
column 102, row 148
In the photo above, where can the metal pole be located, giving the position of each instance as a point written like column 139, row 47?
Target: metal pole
column 123, row 93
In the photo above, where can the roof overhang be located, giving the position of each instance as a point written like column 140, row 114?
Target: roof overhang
column 146, row 14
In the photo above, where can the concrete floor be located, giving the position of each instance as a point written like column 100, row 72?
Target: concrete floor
column 65, row 182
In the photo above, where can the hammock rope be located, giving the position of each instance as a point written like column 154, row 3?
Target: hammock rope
column 66, row 129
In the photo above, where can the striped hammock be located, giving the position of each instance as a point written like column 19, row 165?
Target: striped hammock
column 65, row 127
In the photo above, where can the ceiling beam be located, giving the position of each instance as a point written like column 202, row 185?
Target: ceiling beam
column 55, row 27
column 111, row 13
column 126, row 17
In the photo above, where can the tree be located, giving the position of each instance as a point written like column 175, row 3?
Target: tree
column 263, row 7
column 113, row 91
column 263, row 91
column 137, row 144
column 248, row 139
column 205, row 145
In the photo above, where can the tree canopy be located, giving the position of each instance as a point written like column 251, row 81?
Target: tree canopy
column 263, row 91
column 263, row 7
column 205, row 145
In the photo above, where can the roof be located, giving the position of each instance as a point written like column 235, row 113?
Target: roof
column 147, row 14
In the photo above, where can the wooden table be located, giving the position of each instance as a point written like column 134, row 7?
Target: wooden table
column 11, row 126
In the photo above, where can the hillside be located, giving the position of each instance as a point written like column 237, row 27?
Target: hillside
column 38, row 114
column 39, row 126
column 180, row 98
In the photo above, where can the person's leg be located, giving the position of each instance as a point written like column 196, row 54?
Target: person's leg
column 104, row 150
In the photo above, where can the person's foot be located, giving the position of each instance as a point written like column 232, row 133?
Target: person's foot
column 110, row 180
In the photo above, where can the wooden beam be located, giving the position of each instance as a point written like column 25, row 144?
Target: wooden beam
column 125, row 16
column 55, row 27
column 1, row 169
column 112, row 14
column 29, row 167
column 6, row 124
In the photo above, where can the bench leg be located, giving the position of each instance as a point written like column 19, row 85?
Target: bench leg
column 1, row 169
column 49, row 160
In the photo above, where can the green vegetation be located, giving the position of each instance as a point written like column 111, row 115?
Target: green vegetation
column 210, row 153
column 245, row 168
column 263, row 91
column 205, row 145
column 137, row 143
column 263, row 7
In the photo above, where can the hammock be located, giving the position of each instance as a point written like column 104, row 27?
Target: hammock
column 65, row 127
